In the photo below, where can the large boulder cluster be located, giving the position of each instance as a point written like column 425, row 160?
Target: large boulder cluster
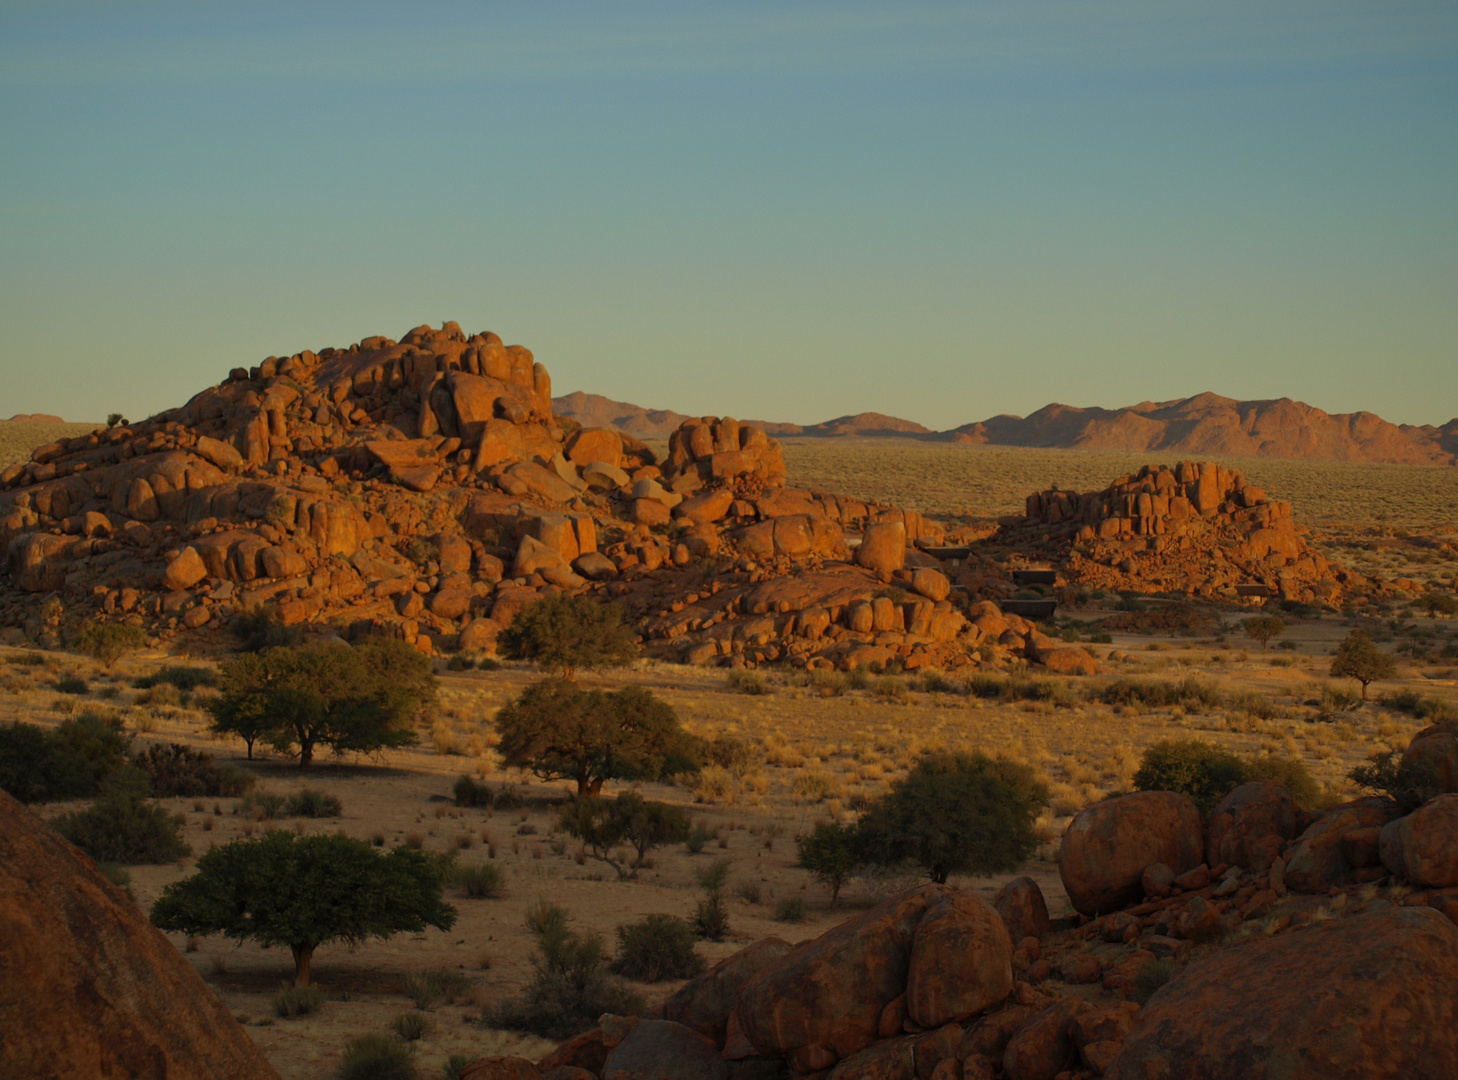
column 423, row 490
column 1199, row 528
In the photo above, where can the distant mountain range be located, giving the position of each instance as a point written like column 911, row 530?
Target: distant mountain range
column 1204, row 425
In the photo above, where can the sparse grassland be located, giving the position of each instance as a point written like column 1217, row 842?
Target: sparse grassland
column 970, row 481
column 19, row 438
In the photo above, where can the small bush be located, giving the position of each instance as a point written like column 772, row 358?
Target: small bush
column 72, row 684
column 1410, row 785
column 109, row 642
column 123, row 827
column 827, row 683
column 697, row 838
column 313, row 804
column 791, row 910
column 261, row 629
column 481, row 881
column 1203, row 771
column 469, row 793
column 263, row 805
column 545, row 917
column 748, row 682
column 1432, row 709
column 290, row 1002
column 1191, row 694
column 749, row 892
column 657, row 948
column 889, row 688
column 412, row 1026
column 460, row 663
column 376, row 1057
column 1291, row 773
column 711, row 915
column 178, row 771
column 427, row 989
column 454, row 1066
column 185, row 679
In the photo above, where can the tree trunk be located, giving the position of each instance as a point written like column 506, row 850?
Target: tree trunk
column 1364, row 689
column 306, row 754
column 250, row 748
column 302, row 955
column 594, row 787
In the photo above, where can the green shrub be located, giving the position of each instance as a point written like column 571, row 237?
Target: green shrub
column 1432, row 709
column 411, row 1026
column 33, row 769
column 1203, row 771
column 109, row 642
column 460, row 663
column 657, row 948
column 427, row 989
column 831, row 853
column 828, row 683
column 605, row 825
column 163, row 695
column 290, row 1001
column 123, row 827
column 262, row 628
column 454, row 1066
column 889, row 688
column 178, row 771
column 1291, row 773
column 954, row 813
column 570, row 987
column 1410, row 785
column 313, row 804
column 748, row 682
column 481, row 881
column 469, row 793
column 696, row 840
column 265, row 805
column 185, row 679
column 791, row 910
column 72, row 684
column 711, row 915
column 1188, row 693
column 376, row 1057
column 1253, row 703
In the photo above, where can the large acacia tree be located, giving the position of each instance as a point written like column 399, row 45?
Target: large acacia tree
column 563, row 633
column 561, row 731
column 298, row 699
column 305, row 891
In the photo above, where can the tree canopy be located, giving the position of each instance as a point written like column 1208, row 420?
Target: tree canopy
column 297, row 699
column 605, row 824
column 955, row 813
column 1264, row 628
column 305, row 891
column 831, row 852
column 560, row 731
column 562, row 634
column 1358, row 657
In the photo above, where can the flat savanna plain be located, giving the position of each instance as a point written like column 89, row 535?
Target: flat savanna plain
column 820, row 751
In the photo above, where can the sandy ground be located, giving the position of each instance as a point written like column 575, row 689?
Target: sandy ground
column 851, row 745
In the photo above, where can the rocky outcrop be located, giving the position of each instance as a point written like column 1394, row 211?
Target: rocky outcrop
column 88, row 987
column 1361, row 998
column 1199, row 528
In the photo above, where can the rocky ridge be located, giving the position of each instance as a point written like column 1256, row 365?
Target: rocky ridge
column 425, row 489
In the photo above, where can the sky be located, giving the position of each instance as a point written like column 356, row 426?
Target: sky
column 781, row 211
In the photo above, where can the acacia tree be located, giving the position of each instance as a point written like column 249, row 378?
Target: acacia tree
column 1264, row 628
column 345, row 698
column 561, row 634
column 560, row 731
column 1358, row 657
column 954, row 813
column 605, row 824
column 305, row 891
column 831, row 853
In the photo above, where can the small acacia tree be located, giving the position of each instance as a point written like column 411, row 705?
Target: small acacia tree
column 1439, row 603
column 109, row 642
column 603, row 825
column 561, row 634
column 1264, row 628
column 305, row 891
column 345, row 698
column 955, row 813
column 1201, row 770
column 560, row 731
column 831, row 853
column 1358, row 657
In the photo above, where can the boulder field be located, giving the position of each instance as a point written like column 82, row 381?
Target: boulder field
column 424, row 490
column 1265, row 942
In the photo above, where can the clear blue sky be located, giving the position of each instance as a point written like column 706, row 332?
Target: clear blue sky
column 785, row 211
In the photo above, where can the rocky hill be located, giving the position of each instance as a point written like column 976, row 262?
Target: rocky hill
column 425, row 490
column 1205, row 425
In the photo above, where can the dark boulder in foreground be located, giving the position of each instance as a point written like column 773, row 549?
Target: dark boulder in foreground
column 88, row 987
column 1370, row 997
